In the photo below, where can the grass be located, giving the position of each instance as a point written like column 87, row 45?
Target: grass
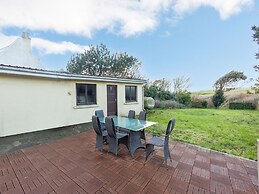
column 204, row 92
column 231, row 131
column 231, row 92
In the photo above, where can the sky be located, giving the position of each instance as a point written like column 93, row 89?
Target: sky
column 198, row 39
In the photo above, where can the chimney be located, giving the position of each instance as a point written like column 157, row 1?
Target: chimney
column 25, row 35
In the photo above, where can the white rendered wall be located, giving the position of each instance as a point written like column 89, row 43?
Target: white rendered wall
column 123, row 107
column 19, row 53
column 29, row 104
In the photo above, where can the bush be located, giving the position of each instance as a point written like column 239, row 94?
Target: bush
column 248, row 92
column 241, row 105
column 184, row 98
column 158, row 93
column 210, row 103
column 218, row 98
column 168, row 104
column 204, row 104
column 199, row 103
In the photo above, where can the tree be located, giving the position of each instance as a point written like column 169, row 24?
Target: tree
column 159, row 90
column 184, row 98
column 98, row 61
column 229, row 79
column 256, row 39
column 162, row 84
column 218, row 98
column 181, row 84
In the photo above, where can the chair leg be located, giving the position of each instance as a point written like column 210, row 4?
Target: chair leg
column 149, row 150
column 167, row 155
column 113, row 146
column 99, row 142
column 170, row 156
column 143, row 136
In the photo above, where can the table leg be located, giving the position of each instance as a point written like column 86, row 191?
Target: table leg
column 135, row 142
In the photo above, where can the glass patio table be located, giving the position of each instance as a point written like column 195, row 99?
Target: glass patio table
column 134, row 126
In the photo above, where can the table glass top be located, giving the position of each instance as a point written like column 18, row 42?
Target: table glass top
column 131, row 124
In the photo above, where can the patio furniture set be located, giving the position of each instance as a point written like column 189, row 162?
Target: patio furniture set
column 115, row 130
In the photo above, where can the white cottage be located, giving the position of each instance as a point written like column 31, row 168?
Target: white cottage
column 19, row 53
column 33, row 99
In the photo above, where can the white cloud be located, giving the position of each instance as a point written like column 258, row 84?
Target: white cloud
column 46, row 46
column 226, row 8
column 49, row 47
column 83, row 17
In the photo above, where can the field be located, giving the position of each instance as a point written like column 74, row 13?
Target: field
column 231, row 92
column 231, row 131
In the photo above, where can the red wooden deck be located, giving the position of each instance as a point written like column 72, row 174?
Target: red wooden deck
column 72, row 165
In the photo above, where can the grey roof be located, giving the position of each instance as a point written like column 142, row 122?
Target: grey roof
column 31, row 72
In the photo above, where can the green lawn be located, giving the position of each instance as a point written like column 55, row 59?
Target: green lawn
column 231, row 131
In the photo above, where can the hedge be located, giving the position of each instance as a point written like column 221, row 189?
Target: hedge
column 241, row 105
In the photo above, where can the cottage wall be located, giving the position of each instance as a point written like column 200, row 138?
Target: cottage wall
column 31, row 104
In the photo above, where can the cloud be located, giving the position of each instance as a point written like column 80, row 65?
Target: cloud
column 85, row 17
column 226, row 8
column 45, row 46
column 49, row 47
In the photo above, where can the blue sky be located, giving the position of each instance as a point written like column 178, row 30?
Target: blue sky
column 199, row 39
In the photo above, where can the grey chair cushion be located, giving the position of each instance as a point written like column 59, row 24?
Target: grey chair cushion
column 121, row 135
column 156, row 141
column 123, row 130
column 103, row 126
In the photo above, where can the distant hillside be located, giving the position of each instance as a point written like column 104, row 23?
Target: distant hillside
column 207, row 93
column 236, row 95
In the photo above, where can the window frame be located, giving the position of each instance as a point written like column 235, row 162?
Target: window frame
column 132, row 98
column 86, row 96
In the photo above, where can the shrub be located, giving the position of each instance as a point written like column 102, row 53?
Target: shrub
column 204, row 104
column 184, row 98
column 168, row 104
column 218, row 98
column 199, row 103
column 249, row 98
column 248, row 92
column 158, row 93
column 210, row 103
column 241, row 105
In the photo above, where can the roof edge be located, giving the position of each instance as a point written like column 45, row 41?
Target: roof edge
column 32, row 72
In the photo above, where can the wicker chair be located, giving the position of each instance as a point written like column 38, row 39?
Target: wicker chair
column 100, row 114
column 156, row 141
column 101, row 136
column 115, row 138
column 142, row 117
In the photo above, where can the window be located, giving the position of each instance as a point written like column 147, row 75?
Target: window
column 85, row 94
column 131, row 93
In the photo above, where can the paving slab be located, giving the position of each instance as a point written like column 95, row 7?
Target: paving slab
column 73, row 165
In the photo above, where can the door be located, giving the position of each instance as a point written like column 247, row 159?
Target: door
column 111, row 100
